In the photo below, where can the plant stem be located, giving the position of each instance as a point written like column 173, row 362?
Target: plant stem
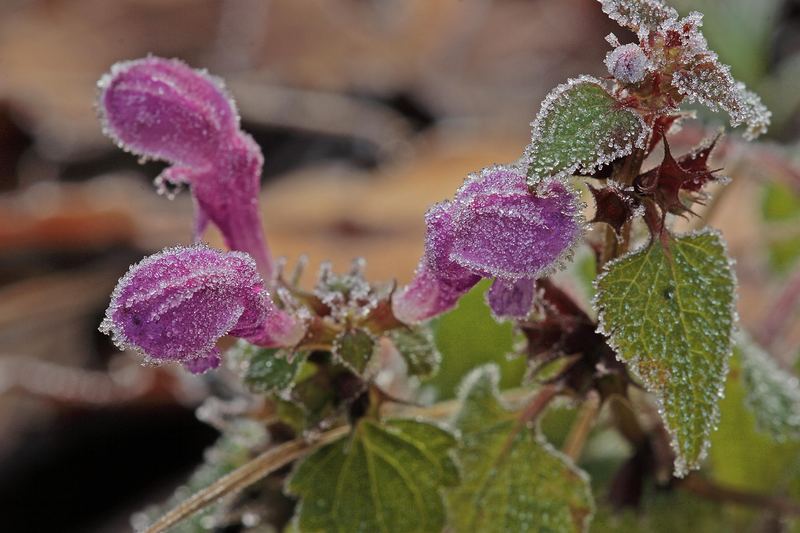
column 244, row 476
column 701, row 486
column 624, row 173
column 538, row 403
column 582, row 426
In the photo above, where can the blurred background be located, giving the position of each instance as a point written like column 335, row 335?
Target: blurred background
column 367, row 112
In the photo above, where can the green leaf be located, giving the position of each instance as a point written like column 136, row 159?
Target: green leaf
column 264, row 370
column 354, row 348
column 512, row 479
column 670, row 315
column 667, row 511
column 418, row 349
column 580, row 127
column 467, row 337
column 385, row 478
column 773, row 395
column 743, row 457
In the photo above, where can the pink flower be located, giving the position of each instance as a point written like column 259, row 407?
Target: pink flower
column 495, row 227
column 162, row 109
column 176, row 305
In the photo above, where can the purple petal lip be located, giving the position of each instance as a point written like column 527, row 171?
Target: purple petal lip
column 511, row 299
column 163, row 109
column 175, row 306
column 493, row 228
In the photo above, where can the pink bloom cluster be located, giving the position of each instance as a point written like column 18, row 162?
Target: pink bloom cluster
column 176, row 305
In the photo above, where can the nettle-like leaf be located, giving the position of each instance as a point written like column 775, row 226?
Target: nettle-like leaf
column 669, row 314
column 354, row 348
column 264, row 369
column 418, row 349
column 772, row 394
column 579, row 128
column 742, row 456
column 512, row 479
column 385, row 478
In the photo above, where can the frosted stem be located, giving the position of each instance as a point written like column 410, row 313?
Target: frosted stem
column 624, row 173
column 244, row 476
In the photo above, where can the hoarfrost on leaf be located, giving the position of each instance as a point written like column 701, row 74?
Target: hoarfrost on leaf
column 669, row 314
column 386, row 477
column 418, row 349
column 263, row 370
column 354, row 348
column 772, row 394
column 637, row 15
column 512, row 479
column 579, row 128
column 687, row 68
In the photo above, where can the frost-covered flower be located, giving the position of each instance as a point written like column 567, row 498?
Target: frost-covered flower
column 163, row 109
column 175, row 306
column 495, row 227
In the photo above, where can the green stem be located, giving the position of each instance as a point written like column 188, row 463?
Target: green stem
column 244, row 476
column 580, row 430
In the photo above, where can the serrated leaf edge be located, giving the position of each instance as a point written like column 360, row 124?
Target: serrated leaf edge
column 681, row 468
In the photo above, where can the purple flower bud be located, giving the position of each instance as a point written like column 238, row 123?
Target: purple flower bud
column 175, row 306
column 512, row 299
column 628, row 63
column 162, row 109
column 495, row 227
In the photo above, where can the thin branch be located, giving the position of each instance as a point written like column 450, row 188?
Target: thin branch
column 582, row 427
column 702, row 487
column 538, row 403
column 244, row 476
column 275, row 458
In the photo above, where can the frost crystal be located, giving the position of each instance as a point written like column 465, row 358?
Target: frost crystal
column 580, row 127
column 773, row 395
column 679, row 52
column 627, row 63
column 162, row 109
column 668, row 312
column 494, row 227
column 175, row 305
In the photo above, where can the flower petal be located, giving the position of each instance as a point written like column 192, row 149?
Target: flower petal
column 175, row 305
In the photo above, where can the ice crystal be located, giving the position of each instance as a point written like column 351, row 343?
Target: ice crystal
column 385, row 477
column 627, row 63
column 162, row 109
column 175, row 305
column 772, row 394
column 669, row 315
column 580, row 127
column 513, row 480
column 678, row 52
column 639, row 15
column 494, row 227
